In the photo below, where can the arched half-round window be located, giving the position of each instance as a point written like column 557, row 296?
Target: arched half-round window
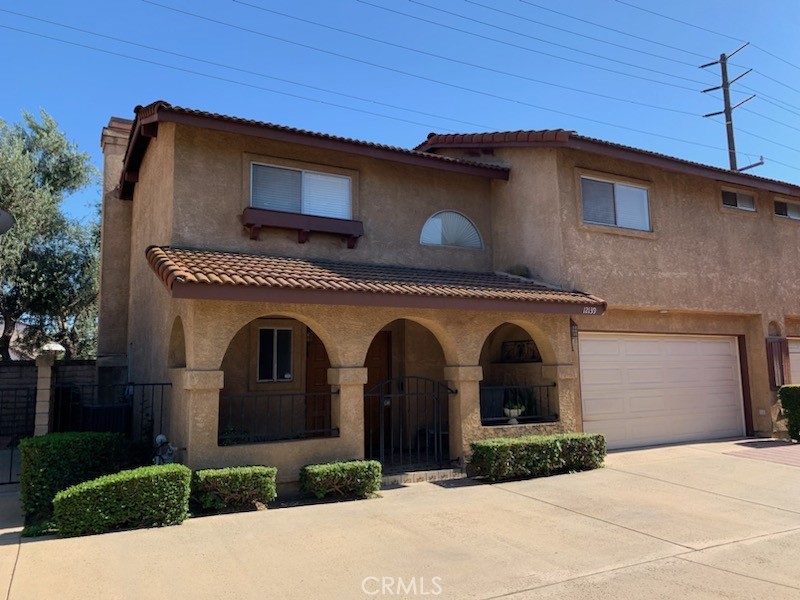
column 449, row 228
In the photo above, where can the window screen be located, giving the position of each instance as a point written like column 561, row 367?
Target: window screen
column 738, row 200
column 297, row 191
column 618, row 204
column 787, row 209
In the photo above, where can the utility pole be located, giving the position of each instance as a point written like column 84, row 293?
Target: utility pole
column 728, row 109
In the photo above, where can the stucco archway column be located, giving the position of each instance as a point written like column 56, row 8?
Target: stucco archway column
column 348, row 408
column 464, row 408
column 194, row 414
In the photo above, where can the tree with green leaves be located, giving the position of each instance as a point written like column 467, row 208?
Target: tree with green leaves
column 42, row 277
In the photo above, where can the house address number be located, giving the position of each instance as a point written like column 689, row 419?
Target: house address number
column 590, row 310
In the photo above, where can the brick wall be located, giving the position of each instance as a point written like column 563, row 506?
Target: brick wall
column 75, row 372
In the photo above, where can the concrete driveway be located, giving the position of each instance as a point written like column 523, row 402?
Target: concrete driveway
column 717, row 520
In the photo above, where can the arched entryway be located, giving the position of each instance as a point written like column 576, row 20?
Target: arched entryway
column 406, row 401
column 276, row 385
column 514, row 390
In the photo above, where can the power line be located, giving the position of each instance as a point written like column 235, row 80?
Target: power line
column 725, row 35
column 528, row 49
column 466, row 63
column 209, row 76
column 439, row 82
column 620, row 31
column 240, row 70
column 572, row 32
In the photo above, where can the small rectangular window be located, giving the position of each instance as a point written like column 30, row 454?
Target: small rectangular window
column 274, row 354
column 617, row 204
column 300, row 191
column 738, row 200
column 789, row 210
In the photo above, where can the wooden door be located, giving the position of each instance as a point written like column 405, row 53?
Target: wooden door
column 318, row 400
column 379, row 370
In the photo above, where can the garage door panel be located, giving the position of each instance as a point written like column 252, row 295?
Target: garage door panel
column 650, row 389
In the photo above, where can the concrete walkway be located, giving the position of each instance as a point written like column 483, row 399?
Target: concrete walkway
column 682, row 522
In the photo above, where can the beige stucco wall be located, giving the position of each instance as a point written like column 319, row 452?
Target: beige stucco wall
column 392, row 199
column 457, row 337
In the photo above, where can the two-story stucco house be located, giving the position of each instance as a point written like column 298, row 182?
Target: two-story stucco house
column 313, row 298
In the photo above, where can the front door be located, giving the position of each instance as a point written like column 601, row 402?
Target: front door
column 318, row 399
column 379, row 369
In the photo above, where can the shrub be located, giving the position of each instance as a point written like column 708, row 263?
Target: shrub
column 360, row 478
column 53, row 462
column 789, row 395
column 234, row 488
column 537, row 455
column 145, row 497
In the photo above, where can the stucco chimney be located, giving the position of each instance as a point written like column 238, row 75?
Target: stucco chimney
column 115, row 250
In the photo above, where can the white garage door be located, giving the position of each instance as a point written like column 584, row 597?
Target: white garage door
column 655, row 389
column 794, row 360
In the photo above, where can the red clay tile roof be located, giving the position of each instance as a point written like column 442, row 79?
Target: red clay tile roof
column 164, row 111
column 207, row 269
column 570, row 139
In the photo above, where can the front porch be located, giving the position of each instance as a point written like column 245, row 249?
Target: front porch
column 327, row 361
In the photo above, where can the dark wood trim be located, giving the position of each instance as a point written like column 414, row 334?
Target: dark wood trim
column 204, row 291
column 747, row 399
column 778, row 362
column 254, row 219
column 150, row 130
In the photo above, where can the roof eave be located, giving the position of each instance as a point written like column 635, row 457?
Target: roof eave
column 211, row 291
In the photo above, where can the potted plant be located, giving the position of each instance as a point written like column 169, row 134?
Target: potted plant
column 513, row 410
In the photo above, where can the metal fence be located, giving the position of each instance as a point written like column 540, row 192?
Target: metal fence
column 135, row 410
column 17, row 414
column 516, row 404
column 261, row 418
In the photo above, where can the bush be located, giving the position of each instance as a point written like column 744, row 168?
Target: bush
column 53, row 462
column 234, row 488
column 145, row 497
column 789, row 395
column 360, row 478
column 537, row 455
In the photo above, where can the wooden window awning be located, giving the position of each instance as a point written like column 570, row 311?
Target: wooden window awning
column 254, row 219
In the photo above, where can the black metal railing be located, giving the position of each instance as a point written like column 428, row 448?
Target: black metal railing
column 135, row 410
column 17, row 414
column 263, row 418
column 406, row 424
column 517, row 404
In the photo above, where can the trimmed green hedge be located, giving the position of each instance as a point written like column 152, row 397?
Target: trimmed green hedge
column 53, row 462
column 234, row 488
column 145, row 497
column 537, row 455
column 789, row 395
column 360, row 478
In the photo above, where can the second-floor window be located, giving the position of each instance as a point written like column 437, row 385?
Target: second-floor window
column 615, row 204
column 300, row 191
column 790, row 210
column 738, row 200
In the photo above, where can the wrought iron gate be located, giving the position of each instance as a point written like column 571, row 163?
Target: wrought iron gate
column 406, row 424
column 17, row 413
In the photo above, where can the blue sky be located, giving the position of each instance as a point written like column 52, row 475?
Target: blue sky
column 507, row 59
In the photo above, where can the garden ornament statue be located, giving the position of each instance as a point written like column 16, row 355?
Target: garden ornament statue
column 165, row 452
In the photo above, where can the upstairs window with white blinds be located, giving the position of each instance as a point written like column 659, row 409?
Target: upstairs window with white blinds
column 449, row 228
column 300, row 191
column 616, row 204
